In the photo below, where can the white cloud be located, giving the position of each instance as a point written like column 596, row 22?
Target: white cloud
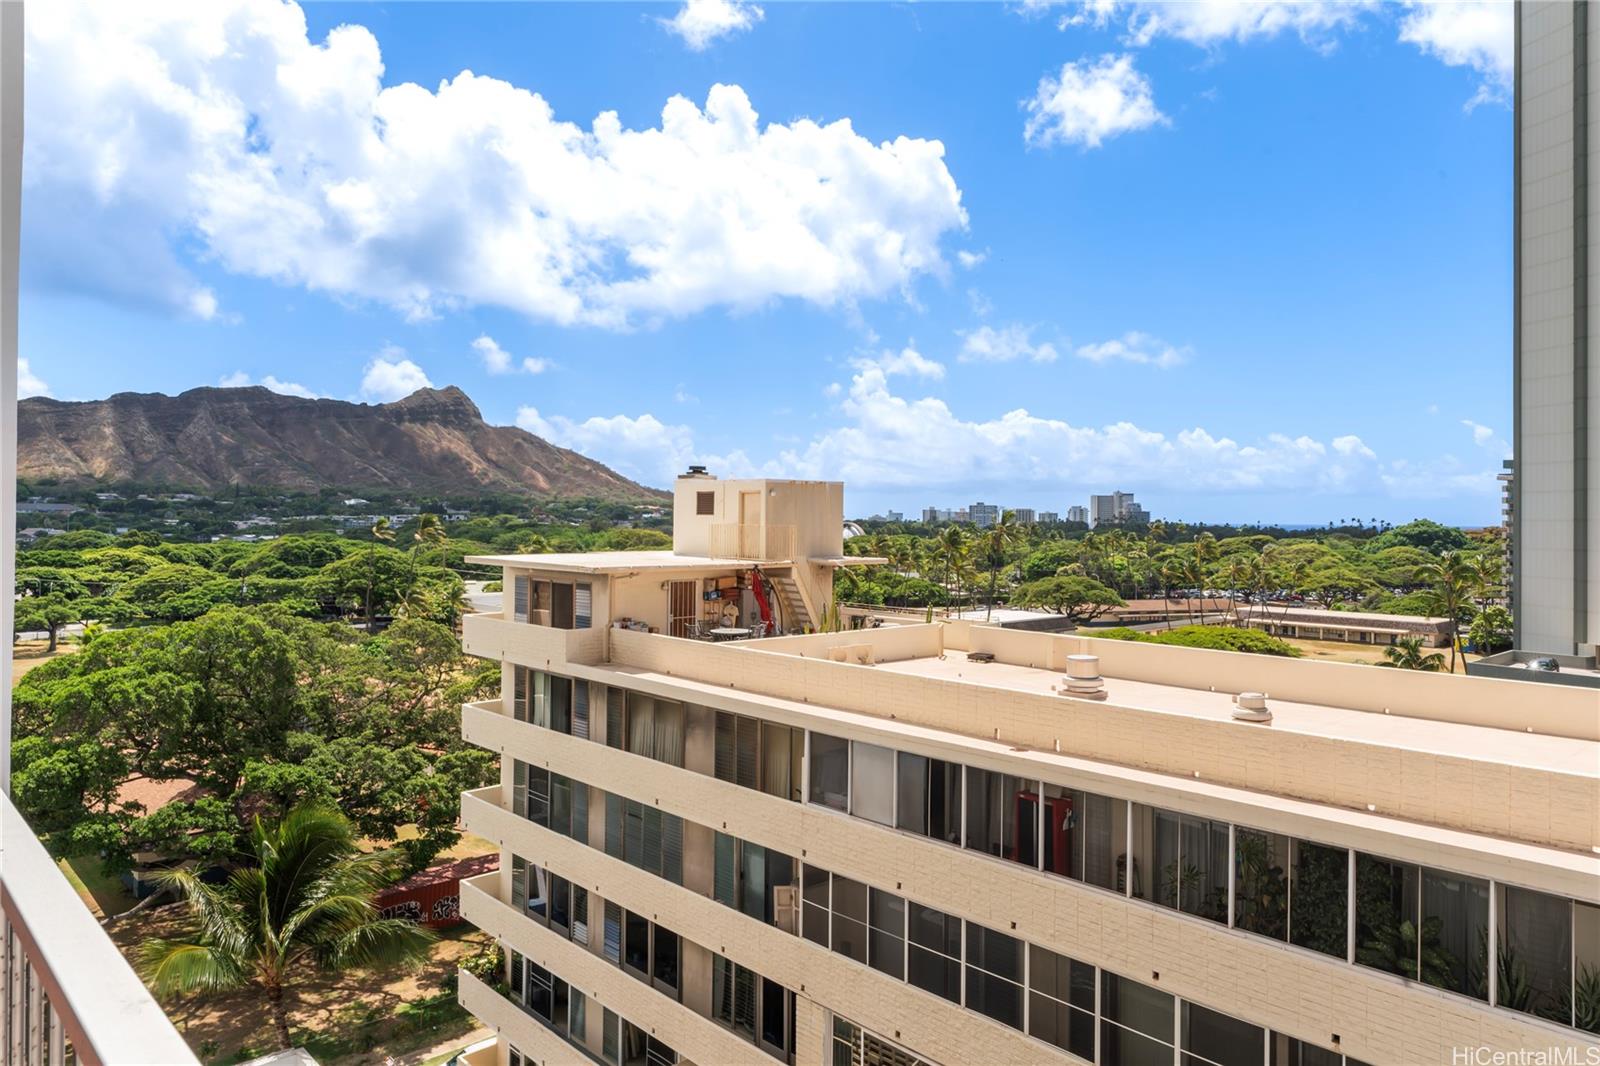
column 1090, row 102
column 644, row 448
column 1479, row 35
column 1210, row 22
column 882, row 440
column 239, row 380
column 160, row 135
column 702, row 22
column 971, row 259
column 1135, row 347
column 1486, row 438
column 29, row 383
column 981, row 305
column 907, row 361
column 989, row 345
column 496, row 360
column 1481, row 434
column 391, row 377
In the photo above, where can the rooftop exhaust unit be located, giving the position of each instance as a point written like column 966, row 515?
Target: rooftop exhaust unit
column 696, row 470
column 1083, row 678
column 1251, row 707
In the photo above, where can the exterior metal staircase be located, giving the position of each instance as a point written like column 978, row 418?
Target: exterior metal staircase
column 796, row 612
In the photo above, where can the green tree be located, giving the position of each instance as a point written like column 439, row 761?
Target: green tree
column 46, row 613
column 1491, row 630
column 1081, row 599
column 1455, row 582
column 303, row 899
column 995, row 545
column 1407, row 654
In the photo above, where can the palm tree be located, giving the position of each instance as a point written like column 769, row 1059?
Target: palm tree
column 533, row 544
column 382, row 533
column 994, row 545
column 1406, row 654
column 304, row 899
column 950, row 548
column 429, row 531
column 1455, row 581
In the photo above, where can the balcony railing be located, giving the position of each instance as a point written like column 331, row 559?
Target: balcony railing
column 68, row 994
column 748, row 540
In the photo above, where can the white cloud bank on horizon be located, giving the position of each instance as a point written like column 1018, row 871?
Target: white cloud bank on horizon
column 29, row 383
column 888, row 441
column 701, row 23
column 222, row 129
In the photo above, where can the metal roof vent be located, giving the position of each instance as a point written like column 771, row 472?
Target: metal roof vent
column 696, row 470
column 1083, row 678
column 1251, row 707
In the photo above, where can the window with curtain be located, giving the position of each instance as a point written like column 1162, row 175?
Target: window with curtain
column 872, row 782
column 929, row 792
column 1184, row 860
column 1453, row 948
column 641, row 725
column 561, row 804
column 733, row 996
column 725, row 880
column 830, row 771
column 668, row 733
column 780, row 761
column 610, row 1031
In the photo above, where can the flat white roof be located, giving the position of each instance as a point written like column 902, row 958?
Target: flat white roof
column 619, row 562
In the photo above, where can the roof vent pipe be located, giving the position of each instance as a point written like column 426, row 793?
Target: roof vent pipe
column 1083, row 678
column 1251, row 707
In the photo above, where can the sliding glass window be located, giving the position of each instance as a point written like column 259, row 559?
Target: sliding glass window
column 1135, row 1023
column 830, row 771
column 872, row 782
column 929, row 793
column 994, row 974
column 1002, row 813
column 933, row 959
column 1061, row 1001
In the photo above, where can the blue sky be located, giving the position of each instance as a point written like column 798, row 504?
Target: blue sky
column 1252, row 262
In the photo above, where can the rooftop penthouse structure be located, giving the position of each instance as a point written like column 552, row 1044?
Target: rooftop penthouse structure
column 956, row 843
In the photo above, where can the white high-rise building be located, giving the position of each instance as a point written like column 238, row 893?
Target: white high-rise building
column 1118, row 508
column 1556, row 561
column 1078, row 513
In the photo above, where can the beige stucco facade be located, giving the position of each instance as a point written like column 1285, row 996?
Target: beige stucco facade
column 1493, row 785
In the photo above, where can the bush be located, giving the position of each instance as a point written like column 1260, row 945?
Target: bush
column 1215, row 638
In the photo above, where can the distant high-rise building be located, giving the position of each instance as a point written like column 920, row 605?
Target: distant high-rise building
column 984, row 514
column 896, row 516
column 1048, row 518
column 1508, row 524
column 1023, row 515
column 930, row 515
column 960, row 515
column 1117, row 509
column 1556, row 428
column 1078, row 513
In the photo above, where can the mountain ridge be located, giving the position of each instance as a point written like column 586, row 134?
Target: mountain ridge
column 212, row 437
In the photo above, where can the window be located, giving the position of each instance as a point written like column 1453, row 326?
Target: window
column 1085, row 837
column 759, row 755
column 650, row 952
column 733, row 996
column 639, row 1048
column 616, row 736
column 646, row 837
column 1184, row 862
column 933, row 954
column 830, row 771
column 1212, row 1039
column 611, row 1029
column 814, row 889
column 1319, row 898
column 854, row 1046
column 777, row 1020
column 1001, row 815
column 1386, row 915
column 1454, row 933
column 994, row 974
column 849, row 918
column 886, row 943
column 872, row 782
column 612, row 943
column 1261, row 882
column 655, row 728
column 1135, row 1023
column 929, row 797
column 664, row 960
column 578, row 1017
column 1061, row 1001
column 1287, row 1051
column 705, row 503
column 520, row 680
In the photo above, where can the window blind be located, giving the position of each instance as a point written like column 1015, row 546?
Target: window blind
column 672, row 848
column 580, row 709
column 519, row 599
column 613, row 932
column 726, row 883
column 614, row 825
column 583, row 606
column 724, row 762
column 580, row 812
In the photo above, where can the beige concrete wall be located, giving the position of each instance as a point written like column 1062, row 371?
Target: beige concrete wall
column 542, row 647
column 769, row 820
column 1479, row 795
column 1379, row 1018
column 890, row 643
column 696, row 1037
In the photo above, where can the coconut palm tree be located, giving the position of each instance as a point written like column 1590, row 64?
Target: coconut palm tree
column 994, row 546
column 1406, row 654
column 950, row 548
column 1455, row 582
column 303, row 899
column 429, row 532
column 382, row 533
